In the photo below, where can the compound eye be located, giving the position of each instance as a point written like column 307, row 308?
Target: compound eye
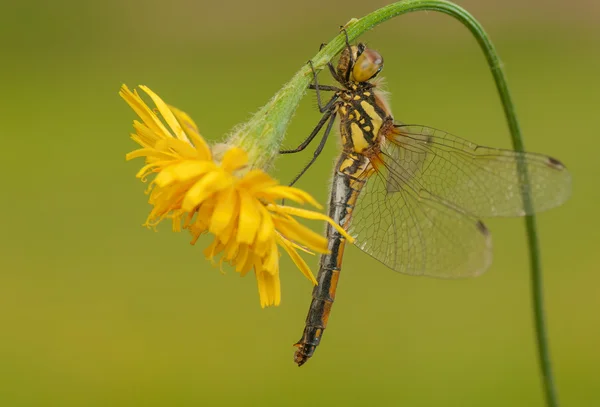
column 367, row 65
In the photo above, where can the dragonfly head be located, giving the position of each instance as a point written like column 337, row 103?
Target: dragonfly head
column 367, row 63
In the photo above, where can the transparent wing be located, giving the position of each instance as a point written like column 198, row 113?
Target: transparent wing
column 418, row 212
column 482, row 181
column 416, row 233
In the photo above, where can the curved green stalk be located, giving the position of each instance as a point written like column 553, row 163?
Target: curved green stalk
column 262, row 135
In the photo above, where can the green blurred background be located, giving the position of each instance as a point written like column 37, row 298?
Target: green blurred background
column 96, row 310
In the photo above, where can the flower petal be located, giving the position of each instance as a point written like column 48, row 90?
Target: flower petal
column 249, row 220
column 149, row 152
column 283, row 192
column 293, row 230
column 205, row 187
column 255, row 180
column 193, row 133
column 180, row 148
column 233, row 159
column 269, row 288
column 267, row 228
column 227, row 202
column 306, row 214
column 166, row 114
column 148, row 116
column 271, row 260
column 144, row 136
column 242, row 257
column 183, row 171
column 298, row 261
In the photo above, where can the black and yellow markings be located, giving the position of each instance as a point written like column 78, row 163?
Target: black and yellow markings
column 346, row 165
column 360, row 139
column 376, row 119
column 362, row 119
column 352, row 165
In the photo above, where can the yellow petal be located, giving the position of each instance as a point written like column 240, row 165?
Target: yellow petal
column 183, row 171
column 304, row 196
column 197, row 229
column 233, row 159
column 188, row 125
column 193, row 133
column 296, row 245
column 145, row 136
column 148, row 169
column 250, row 262
column 269, row 288
column 232, row 249
column 261, row 248
column 149, row 152
column 142, row 110
column 225, row 210
column 180, row 148
column 293, row 230
column 176, row 218
column 303, row 213
column 282, row 192
column 298, row 261
column 271, row 261
column 205, row 187
column 188, row 219
column 228, row 234
column 256, row 179
column 241, row 259
column 166, row 114
column 249, row 220
column 204, row 214
column 266, row 230
column 195, row 234
column 213, row 249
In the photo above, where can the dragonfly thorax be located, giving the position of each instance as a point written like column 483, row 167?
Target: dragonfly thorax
column 361, row 119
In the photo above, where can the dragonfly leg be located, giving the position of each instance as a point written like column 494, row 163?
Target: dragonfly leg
column 318, row 88
column 325, row 87
column 318, row 150
column 331, row 68
column 312, row 135
column 333, row 72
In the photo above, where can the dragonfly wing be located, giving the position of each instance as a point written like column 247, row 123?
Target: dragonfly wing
column 413, row 232
column 483, row 181
column 419, row 210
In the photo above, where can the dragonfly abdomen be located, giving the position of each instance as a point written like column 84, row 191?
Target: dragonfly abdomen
column 345, row 190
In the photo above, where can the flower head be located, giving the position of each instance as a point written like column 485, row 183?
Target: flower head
column 216, row 191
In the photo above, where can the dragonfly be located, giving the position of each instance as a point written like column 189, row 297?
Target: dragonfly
column 412, row 196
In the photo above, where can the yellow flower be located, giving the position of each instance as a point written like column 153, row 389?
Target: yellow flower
column 219, row 193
